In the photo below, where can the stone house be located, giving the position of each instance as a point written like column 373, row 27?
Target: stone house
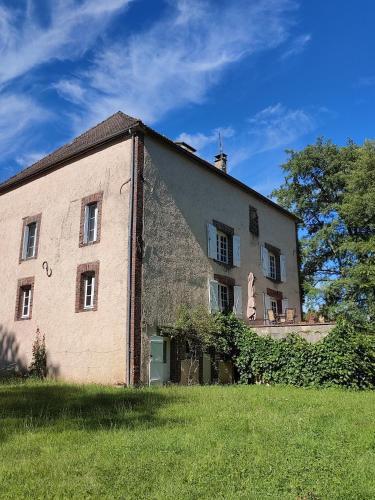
column 103, row 239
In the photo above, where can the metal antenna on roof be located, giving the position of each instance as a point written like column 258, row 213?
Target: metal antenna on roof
column 220, row 143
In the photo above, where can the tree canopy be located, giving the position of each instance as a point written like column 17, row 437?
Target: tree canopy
column 331, row 189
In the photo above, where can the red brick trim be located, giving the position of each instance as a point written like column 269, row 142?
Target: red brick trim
column 82, row 269
column 21, row 284
column 275, row 294
column 25, row 221
column 225, row 280
column 93, row 198
column 136, row 265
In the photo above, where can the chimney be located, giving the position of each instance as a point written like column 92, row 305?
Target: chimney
column 221, row 162
column 186, row 146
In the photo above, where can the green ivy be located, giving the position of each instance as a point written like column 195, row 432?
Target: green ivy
column 344, row 358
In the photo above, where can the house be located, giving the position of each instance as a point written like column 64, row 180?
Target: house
column 103, row 240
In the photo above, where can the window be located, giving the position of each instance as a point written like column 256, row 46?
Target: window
column 253, row 221
column 91, row 210
column 272, row 266
column 87, row 284
column 273, row 263
column 89, row 290
column 223, row 297
column 30, row 240
column 222, row 247
column 24, row 299
column 26, row 302
column 91, row 223
column 273, row 304
column 30, row 237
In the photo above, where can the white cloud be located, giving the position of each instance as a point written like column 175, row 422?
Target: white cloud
column 17, row 114
column 24, row 160
column 176, row 60
column 25, row 43
column 297, row 46
column 200, row 141
column 277, row 126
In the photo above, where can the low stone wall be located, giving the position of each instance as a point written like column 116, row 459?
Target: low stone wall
column 312, row 332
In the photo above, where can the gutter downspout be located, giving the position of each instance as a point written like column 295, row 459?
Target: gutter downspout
column 130, row 258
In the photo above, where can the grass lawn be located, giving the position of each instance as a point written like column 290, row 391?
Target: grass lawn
column 66, row 441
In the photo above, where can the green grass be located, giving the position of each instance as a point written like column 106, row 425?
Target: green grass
column 66, row 441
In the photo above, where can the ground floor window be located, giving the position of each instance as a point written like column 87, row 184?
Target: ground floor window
column 24, row 299
column 87, row 285
column 223, row 297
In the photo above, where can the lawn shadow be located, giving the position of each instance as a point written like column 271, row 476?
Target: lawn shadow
column 36, row 406
column 12, row 361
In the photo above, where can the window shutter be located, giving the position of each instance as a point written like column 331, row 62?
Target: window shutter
column 236, row 251
column 237, row 308
column 284, row 305
column 85, row 227
column 282, row 268
column 264, row 260
column 212, row 243
column 267, row 305
column 214, row 296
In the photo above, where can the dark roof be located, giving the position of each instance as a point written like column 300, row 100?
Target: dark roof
column 109, row 128
column 116, row 126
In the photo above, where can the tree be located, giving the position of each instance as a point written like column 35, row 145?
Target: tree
column 332, row 189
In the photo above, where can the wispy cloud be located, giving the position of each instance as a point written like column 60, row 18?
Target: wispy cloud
column 26, row 43
column 277, row 126
column 177, row 59
column 366, row 81
column 200, row 141
column 26, row 159
column 274, row 127
column 296, row 46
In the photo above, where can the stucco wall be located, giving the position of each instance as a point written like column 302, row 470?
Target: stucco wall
column 181, row 197
column 87, row 346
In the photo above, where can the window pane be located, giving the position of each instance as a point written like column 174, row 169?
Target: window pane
column 222, row 247
column 89, row 289
column 92, row 211
column 223, row 297
column 31, row 236
column 26, row 296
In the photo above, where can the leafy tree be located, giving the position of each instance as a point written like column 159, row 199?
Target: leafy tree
column 332, row 189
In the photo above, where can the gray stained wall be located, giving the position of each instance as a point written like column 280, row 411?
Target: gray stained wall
column 180, row 198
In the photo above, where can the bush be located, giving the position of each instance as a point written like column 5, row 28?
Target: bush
column 344, row 358
column 38, row 367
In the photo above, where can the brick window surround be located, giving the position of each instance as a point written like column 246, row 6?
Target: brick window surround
column 91, row 267
column 93, row 198
column 229, row 231
column 21, row 284
column 25, row 222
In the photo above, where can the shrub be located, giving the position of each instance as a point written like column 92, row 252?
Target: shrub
column 38, row 366
column 344, row 358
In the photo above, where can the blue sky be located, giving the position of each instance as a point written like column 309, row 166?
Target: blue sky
column 270, row 74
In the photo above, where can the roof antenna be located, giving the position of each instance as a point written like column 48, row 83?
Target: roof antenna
column 221, row 158
column 220, row 143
